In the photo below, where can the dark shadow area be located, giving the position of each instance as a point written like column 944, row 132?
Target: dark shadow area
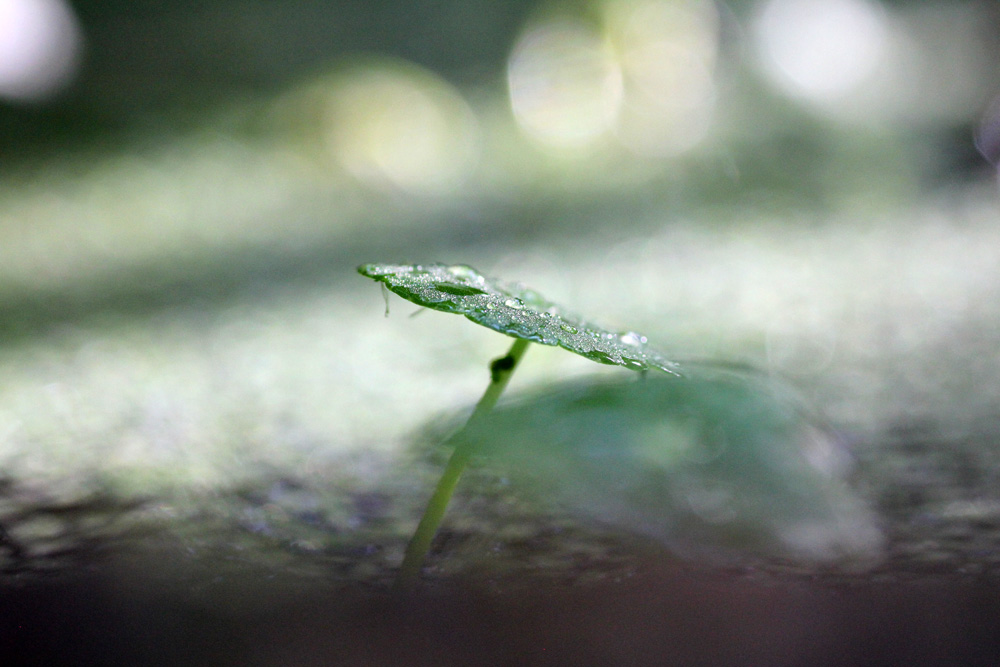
column 153, row 65
column 43, row 536
column 661, row 616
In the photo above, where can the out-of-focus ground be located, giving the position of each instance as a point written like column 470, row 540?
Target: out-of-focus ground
column 213, row 443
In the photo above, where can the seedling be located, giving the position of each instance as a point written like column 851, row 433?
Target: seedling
column 515, row 311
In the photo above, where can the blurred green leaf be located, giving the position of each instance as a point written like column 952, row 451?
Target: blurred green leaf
column 516, row 311
column 720, row 460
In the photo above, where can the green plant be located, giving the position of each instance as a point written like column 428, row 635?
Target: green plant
column 518, row 312
column 719, row 457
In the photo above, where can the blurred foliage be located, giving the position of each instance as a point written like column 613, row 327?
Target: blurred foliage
column 208, row 150
column 720, row 461
column 153, row 66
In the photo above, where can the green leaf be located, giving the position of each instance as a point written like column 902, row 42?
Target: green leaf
column 516, row 311
column 722, row 462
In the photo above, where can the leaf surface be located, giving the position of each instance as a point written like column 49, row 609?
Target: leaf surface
column 516, row 311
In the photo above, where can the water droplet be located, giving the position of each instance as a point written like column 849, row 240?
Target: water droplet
column 516, row 304
column 600, row 356
column 490, row 305
column 533, row 298
column 465, row 272
column 632, row 338
column 569, row 328
column 633, row 364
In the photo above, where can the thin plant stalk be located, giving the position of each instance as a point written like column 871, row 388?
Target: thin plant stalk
column 416, row 551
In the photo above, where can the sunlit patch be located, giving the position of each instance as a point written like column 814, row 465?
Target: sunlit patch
column 565, row 86
column 667, row 51
column 39, row 48
column 644, row 74
column 399, row 125
column 820, row 50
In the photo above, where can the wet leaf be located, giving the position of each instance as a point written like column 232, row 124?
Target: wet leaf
column 516, row 311
column 722, row 461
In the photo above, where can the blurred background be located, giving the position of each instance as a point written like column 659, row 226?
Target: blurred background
column 192, row 370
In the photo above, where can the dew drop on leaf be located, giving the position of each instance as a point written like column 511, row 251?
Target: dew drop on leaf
column 631, row 338
column 460, row 289
column 465, row 272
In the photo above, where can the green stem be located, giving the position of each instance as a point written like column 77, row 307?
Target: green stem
column 416, row 551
